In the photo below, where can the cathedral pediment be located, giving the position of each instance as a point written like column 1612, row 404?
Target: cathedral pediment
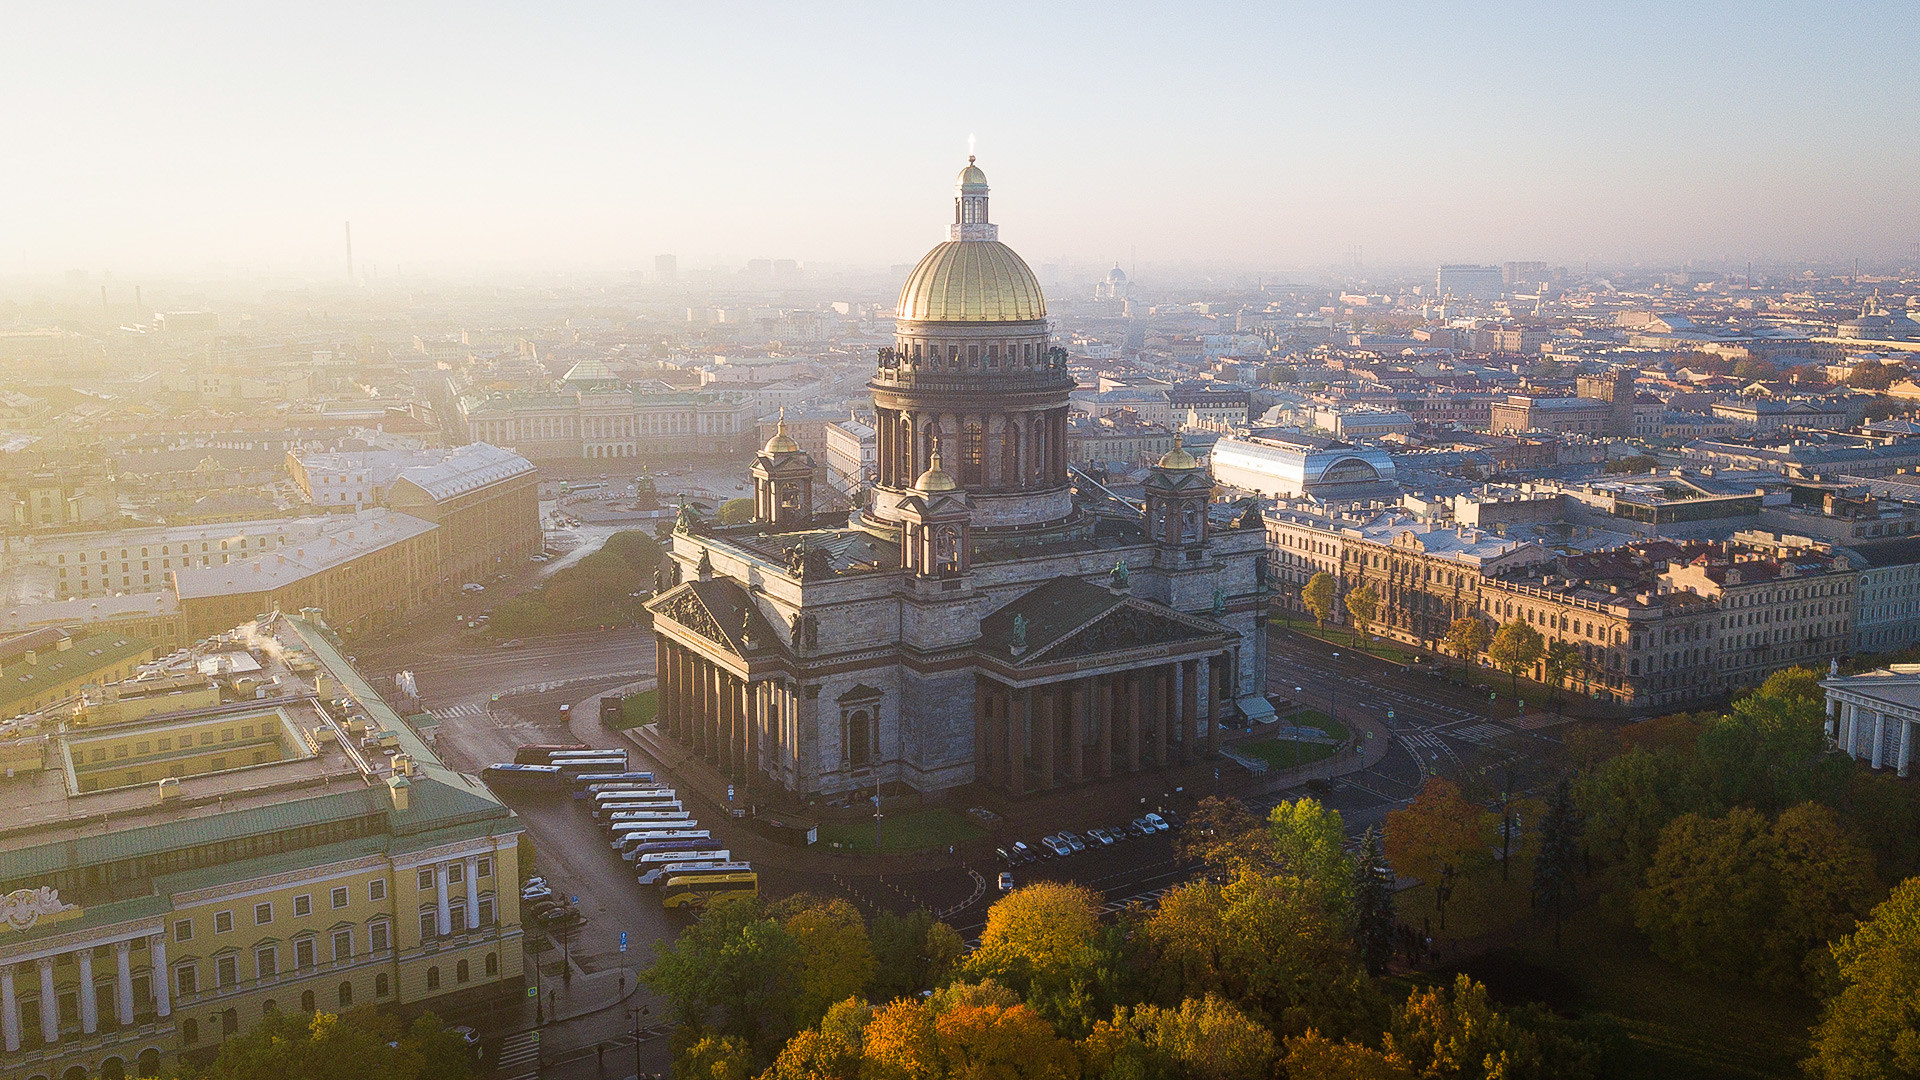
column 1069, row 619
column 720, row 611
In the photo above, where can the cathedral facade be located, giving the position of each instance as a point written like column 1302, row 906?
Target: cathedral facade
column 983, row 618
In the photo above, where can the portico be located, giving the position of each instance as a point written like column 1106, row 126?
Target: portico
column 1871, row 717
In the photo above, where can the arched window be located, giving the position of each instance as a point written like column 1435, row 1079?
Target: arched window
column 269, row 1007
column 189, row 1031
column 381, row 985
column 346, row 993
column 229, row 1021
column 462, row 972
column 433, row 978
column 113, row 1069
column 493, row 964
column 859, row 735
column 307, row 1003
column 973, row 455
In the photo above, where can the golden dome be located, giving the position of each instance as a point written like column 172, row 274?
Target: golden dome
column 781, row 443
column 935, row 478
column 972, row 281
column 971, row 176
column 1177, row 458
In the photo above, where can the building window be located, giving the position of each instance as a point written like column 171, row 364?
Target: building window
column 183, row 930
column 339, row 897
column 377, row 889
column 429, row 924
column 462, row 972
column 377, row 936
column 342, row 945
column 484, row 868
column 226, row 971
column 424, row 879
column 433, row 978
column 189, row 1031
column 307, row 1004
column 186, row 980
column 381, row 985
column 303, row 904
column 493, row 964
column 222, row 921
column 456, row 873
column 266, row 962
column 346, row 994
column 486, row 912
column 262, row 914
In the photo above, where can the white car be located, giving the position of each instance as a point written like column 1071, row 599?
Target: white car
column 1057, row 846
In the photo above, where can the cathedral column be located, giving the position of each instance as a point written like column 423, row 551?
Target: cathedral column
column 758, row 730
column 1879, row 736
column 49, row 1003
column 1017, row 720
column 157, row 981
column 1077, row 731
column 1906, row 747
column 1216, row 671
column 89, row 1004
column 9, row 1010
column 1161, row 711
column 1189, row 707
column 1025, row 431
column 981, row 769
column 1134, row 690
column 696, row 699
column 1103, row 715
column 1047, row 727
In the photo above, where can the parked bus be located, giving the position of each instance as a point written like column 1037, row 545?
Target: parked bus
column 626, row 817
column 539, row 753
column 622, row 788
column 585, row 782
column 561, row 757
column 606, row 812
column 620, row 831
column 653, row 859
column 697, row 841
column 696, row 890
column 634, row 841
column 699, row 863
column 513, row 776
column 572, row 767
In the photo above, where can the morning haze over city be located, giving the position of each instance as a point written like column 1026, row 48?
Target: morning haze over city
column 863, row 542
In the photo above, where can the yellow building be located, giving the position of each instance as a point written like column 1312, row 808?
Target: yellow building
column 46, row 666
column 175, row 877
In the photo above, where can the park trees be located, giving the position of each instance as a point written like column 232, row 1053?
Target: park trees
column 1203, row 1038
column 735, row 973
column 1626, row 800
column 1363, row 604
column 1319, row 595
column 835, row 956
column 911, row 952
column 1466, row 637
column 1870, row 1029
column 1558, row 858
column 1563, row 661
column 1737, row 897
column 1307, row 840
column 1436, row 837
column 1047, row 943
column 1515, row 648
column 1373, row 916
column 360, row 1045
column 1769, row 750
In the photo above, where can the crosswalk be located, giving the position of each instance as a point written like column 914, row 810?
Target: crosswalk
column 1422, row 740
column 471, row 708
column 519, row 1056
column 1481, row 733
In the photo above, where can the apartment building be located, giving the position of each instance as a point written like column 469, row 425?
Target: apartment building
column 1784, row 600
column 1636, row 648
column 257, row 860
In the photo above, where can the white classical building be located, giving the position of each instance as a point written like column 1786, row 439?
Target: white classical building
column 1872, row 716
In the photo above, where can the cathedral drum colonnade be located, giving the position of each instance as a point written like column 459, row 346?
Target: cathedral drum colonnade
column 975, row 619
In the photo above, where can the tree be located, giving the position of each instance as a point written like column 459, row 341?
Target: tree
column 1265, row 942
column 736, row 511
column 1874, row 375
column 912, row 952
column 1319, row 594
column 1626, row 800
column 990, row 1042
column 1308, row 841
column 836, row 958
column 815, row 1055
column 359, row 1045
column 1451, row 1034
column 1465, row 638
column 1563, row 659
column 1514, row 649
column 1204, row 1038
column 1769, row 751
column 1363, row 604
column 899, row 1043
column 1225, row 835
column 1374, row 918
column 1312, row 1056
column 1438, row 835
column 714, row 1058
column 734, row 964
column 1754, row 368
column 1044, row 926
column 1553, row 867
column 1870, row 1028
column 1733, row 897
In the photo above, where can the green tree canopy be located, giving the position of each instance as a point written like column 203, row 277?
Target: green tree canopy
column 1319, row 595
column 1363, row 603
column 1515, row 648
column 1870, row 1029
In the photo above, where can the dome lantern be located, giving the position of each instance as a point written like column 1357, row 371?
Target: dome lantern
column 970, row 206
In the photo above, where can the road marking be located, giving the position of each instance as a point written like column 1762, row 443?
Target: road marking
column 471, row 708
column 1481, row 733
column 518, row 1050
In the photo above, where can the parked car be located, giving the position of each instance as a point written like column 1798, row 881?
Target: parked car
column 1100, row 834
column 1056, row 845
column 532, row 893
column 555, row 916
column 1006, row 881
column 1004, row 855
column 1021, row 853
column 1073, row 842
column 1158, row 823
column 1141, row 828
column 1119, row 832
column 468, row 1036
column 1173, row 818
column 512, row 643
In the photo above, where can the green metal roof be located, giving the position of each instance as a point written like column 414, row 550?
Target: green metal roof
column 93, row 653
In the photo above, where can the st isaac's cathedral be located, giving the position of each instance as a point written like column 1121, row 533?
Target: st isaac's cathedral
column 984, row 617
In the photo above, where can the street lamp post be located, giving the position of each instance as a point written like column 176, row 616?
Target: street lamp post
column 1299, row 705
column 636, row 1014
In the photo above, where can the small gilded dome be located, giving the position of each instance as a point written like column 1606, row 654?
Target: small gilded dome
column 781, row 443
column 935, row 478
column 971, row 176
column 1178, row 458
column 972, row 281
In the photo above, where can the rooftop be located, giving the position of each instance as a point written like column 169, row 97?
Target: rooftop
column 341, row 539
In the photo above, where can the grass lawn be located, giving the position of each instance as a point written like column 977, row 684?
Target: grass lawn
column 1385, row 648
column 914, row 830
column 638, row 709
column 1284, row 753
column 1674, row 1025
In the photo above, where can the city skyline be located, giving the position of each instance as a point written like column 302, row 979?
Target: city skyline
column 592, row 138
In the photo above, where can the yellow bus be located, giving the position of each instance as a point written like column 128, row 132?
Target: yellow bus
column 696, row 889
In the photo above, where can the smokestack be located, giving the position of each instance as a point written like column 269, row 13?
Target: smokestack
column 349, row 252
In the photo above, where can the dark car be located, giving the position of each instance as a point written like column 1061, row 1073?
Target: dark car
column 1172, row 818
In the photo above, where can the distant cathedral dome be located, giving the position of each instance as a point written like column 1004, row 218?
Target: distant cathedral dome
column 935, row 478
column 973, row 277
column 1178, row 458
column 781, row 443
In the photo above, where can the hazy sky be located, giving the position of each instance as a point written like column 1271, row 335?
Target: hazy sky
column 574, row 135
